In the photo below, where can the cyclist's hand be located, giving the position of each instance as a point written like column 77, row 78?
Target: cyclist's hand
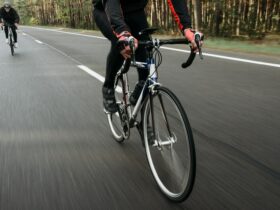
column 1, row 24
column 16, row 24
column 190, row 35
column 123, row 44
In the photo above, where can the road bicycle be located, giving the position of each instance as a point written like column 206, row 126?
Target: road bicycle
column 11, row 41
column 163, row 125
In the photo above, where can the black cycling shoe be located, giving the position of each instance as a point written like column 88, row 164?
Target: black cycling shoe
column 109, row 100
column 136, row 92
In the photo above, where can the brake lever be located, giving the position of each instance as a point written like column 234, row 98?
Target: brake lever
column 132, row 47
column 191, row 58
column 197, row 40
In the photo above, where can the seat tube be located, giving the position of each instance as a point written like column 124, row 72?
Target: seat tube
column 152, row 69
column 126, row 93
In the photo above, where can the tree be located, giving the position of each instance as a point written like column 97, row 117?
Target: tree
column 217, row 17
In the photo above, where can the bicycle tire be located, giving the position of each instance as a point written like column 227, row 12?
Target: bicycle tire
column 173, row 165
column 12, row 45
column 118, row 124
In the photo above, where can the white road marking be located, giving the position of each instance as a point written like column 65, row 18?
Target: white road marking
column 96, row 75
column 80, row 66
column 38, row 41
column 92, row 73
column 227, row 57
column 177, row 50
column 243, row 60
column 65, row 32
column 102, row 79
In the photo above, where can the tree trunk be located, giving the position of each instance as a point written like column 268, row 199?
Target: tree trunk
column 218, row 17
column 237, row 31
column 197, row 14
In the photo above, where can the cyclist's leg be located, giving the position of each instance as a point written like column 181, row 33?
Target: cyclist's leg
column 6, row 29
column 13, row 27
column 114, row 61
column 113, row 64
column 114, row 58
column 137, row 21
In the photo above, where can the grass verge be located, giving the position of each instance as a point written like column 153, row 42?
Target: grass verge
column 270, row 45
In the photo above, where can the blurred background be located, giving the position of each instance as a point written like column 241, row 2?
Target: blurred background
column 56, row 150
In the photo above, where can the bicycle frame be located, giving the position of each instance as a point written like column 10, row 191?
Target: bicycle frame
column 163, row 126
column 150, row 83
column 10, row 38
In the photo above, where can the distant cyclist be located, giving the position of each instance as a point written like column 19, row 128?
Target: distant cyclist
column 8, row 15
column 120, row 19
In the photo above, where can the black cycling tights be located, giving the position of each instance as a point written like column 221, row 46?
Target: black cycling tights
column 136, row 21
column 13, row 27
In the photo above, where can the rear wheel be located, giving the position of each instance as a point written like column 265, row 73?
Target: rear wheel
column 12, row 44
column 169, row 144
column 119, row 121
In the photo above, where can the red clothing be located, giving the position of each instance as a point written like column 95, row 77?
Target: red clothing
column 117, row 9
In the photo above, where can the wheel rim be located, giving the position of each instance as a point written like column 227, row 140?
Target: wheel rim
column 119, row 121
column 170, row 163
column 11, row 45
column 115, row 125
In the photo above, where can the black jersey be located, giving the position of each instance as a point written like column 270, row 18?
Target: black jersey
column 116, row 9
column 9, row 17
column 127, row 5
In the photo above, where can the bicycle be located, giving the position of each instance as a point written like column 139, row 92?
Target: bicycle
column 163, row 125
column 11, row 42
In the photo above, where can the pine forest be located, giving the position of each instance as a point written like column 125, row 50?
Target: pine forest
column 223, row 18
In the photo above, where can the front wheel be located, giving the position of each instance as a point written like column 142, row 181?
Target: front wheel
column 12, row 45
column 169, row 144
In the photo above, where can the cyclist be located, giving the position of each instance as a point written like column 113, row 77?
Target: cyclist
column 119, row 20
column 8, row 15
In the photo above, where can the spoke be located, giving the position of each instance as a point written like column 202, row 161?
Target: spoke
column 171, row 155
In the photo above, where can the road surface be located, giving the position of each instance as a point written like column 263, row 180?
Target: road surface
column 56, row 151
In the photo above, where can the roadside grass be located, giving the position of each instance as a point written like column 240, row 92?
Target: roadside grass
column 270, row 45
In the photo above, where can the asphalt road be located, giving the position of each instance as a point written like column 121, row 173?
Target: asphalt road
column 56, row 150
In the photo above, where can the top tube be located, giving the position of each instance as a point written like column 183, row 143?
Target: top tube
column 158, row 42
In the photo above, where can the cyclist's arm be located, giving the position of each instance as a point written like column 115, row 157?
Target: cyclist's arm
column 1, row 15
column 180, row 12
column 114, row 13
column 16, row 16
